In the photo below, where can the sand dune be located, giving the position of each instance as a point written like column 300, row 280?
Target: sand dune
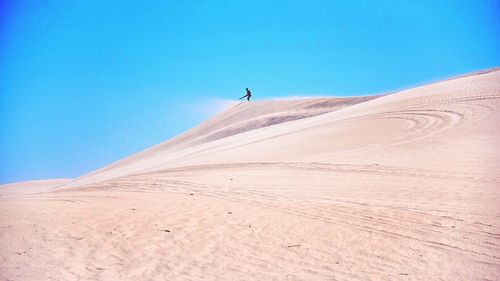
column 396, row 187
column 241, row 118
column 30, row 187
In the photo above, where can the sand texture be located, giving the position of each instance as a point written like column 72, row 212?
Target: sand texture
column 404, row 186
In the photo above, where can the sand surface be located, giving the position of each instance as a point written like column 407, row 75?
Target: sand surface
column 30, row 187
column 403, row 186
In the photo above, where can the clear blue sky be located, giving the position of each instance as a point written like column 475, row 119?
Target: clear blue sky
column 85, row 83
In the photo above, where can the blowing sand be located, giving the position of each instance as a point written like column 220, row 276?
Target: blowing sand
column 404, row 186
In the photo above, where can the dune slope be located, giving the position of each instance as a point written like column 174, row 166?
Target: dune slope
column 399, row 187
column 35, row 186
column 241, row 118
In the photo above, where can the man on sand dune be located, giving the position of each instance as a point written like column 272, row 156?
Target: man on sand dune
column 248, row 95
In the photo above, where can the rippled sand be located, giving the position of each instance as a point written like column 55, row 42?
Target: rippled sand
column 396, row 187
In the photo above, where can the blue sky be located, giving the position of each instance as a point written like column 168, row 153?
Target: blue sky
column 86, row 83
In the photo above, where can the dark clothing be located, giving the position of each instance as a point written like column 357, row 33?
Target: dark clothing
column 248, row 95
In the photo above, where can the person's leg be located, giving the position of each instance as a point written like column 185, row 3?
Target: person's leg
column 248, row 98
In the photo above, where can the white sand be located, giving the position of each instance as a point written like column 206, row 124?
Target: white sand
column 401, row 187
column 30, row 187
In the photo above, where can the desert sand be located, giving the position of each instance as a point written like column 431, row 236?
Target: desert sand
column 403, row 186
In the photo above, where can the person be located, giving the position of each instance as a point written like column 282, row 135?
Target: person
column 248, row 95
